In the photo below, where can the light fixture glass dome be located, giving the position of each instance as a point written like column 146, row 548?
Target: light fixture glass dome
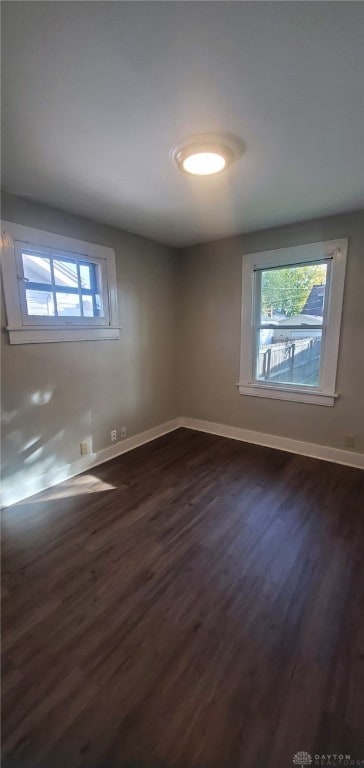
column 207, row 154
column 204, row 163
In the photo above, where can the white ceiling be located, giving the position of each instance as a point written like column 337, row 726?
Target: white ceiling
column 95, row 96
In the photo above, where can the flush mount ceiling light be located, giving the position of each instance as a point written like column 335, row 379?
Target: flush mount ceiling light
column 207, row 154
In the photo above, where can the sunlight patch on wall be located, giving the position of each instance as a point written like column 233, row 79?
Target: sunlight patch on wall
column 42, row 396
column 34, row 456
column 31, row 442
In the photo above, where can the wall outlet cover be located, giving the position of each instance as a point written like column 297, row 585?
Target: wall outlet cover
column 83, row 448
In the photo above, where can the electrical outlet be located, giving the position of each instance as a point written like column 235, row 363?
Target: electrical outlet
column 113, row 435
column 123, row 432
column 350, row 441
column 84, row 448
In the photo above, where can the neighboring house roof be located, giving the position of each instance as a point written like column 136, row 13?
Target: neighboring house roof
column 315, row 302
column 300, row 320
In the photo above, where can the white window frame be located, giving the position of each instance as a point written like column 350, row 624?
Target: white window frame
column 335, row 252
column 25, row 329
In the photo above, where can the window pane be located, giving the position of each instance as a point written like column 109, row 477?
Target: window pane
column 65, row 273
column 36, row 268
column 85, row 275
column 99, row 307
column 90, row 308
column 293, row 295
column 293, row 360
column 39, row 302
column 68, row 304
column 87, row 303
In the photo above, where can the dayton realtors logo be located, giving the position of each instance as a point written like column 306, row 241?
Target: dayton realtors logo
column 302, row 759
column 335, row 761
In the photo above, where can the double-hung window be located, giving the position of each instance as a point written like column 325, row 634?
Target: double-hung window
column 291, row 314
column 57, row 288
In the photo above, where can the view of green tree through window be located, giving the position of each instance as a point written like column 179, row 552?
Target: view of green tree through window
column 289, row 329
column 287, row 289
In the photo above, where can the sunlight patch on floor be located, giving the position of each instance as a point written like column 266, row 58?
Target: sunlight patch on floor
column 77, row 486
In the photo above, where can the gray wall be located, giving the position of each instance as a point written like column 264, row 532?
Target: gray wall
column 209, row 280
column 55, row 395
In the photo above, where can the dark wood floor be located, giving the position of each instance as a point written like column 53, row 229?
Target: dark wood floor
column 196, row 602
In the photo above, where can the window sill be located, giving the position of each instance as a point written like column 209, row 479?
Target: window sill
column 45, row 335
column 287, row 393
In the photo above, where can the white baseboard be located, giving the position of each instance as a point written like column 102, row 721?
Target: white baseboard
column 19, row 487
column 324, row 452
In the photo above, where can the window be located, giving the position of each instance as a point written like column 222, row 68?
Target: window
column 291, row 314
column 53, row 285
column 57, row 288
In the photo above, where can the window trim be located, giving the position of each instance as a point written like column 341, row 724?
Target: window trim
column 324, row 394
column 22, row 330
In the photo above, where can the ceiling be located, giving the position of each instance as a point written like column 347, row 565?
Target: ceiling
column 97, row 94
